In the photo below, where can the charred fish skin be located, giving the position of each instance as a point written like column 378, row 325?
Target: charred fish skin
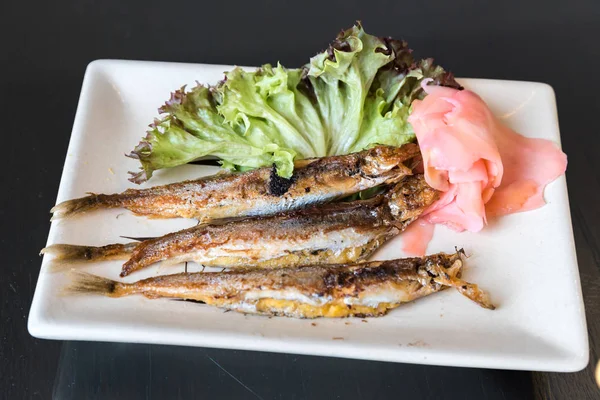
column 257, row 192
column 333, row 233
column 355, row 290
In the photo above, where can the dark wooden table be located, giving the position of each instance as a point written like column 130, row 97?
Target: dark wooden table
column 45, row 49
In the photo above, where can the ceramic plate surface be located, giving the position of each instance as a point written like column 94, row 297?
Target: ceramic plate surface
column 526, row 261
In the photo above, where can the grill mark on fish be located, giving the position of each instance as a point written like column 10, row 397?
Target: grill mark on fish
column 327, row 234
column 359, row 290
column 260, row 191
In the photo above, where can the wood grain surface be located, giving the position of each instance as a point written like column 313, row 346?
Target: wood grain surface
column 45, row 49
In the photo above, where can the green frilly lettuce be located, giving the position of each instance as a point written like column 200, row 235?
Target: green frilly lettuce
column 354, row 95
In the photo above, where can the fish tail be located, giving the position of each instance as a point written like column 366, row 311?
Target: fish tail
column 67, row 254
column 84, row 283
column 77, row 206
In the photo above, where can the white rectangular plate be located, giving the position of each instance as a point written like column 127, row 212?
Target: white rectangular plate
column 526, row 261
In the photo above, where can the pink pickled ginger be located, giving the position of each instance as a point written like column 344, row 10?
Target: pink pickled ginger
column 482, row 167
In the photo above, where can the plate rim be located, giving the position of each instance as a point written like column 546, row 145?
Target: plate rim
column 40, row 327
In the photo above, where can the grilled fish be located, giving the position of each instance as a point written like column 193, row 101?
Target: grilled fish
column 355, row 290
column 257, row 192
column 329, row 234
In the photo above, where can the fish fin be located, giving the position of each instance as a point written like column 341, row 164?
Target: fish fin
column 69, row 253
column 76, row 206
column 469, row 290
column 191, row 301
column 84, row 283
column 222, row 221
column 139, row 239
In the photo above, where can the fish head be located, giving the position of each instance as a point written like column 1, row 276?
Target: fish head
column 382, row 159
column 408, row 199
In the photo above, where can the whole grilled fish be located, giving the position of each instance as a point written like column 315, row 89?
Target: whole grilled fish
column 260, row 191
column 355, row 290
column 328, row 234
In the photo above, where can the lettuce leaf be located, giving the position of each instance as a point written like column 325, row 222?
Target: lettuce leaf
column 354, row 95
